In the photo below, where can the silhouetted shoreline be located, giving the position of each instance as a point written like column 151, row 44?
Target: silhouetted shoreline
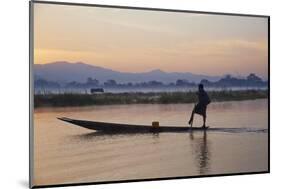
column 75, row 99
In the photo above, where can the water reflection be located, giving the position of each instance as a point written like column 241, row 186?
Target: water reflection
column 99, row 135
column 200, row 148
column 200, row 145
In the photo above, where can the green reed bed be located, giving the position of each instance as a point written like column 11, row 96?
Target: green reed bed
column 67, row 99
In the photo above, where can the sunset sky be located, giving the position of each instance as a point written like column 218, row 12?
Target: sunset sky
column 139, row 41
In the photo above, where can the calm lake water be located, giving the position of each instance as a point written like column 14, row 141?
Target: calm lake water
column 65, row 153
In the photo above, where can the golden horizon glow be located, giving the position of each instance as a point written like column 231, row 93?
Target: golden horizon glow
column 137, row 40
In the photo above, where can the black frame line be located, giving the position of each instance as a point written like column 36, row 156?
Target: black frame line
column 151, row 179
column 31, row 91
column 147, row 8
column 31, row 94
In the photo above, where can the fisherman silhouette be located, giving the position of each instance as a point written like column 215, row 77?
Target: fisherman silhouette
column 201, row 107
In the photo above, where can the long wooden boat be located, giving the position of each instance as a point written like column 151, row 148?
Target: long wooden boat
column 126, row 128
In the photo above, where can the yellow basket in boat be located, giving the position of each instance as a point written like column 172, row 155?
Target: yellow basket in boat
column 155, row 124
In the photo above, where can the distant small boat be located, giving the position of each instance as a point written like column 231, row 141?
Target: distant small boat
column 97, row 90
column 126, row 128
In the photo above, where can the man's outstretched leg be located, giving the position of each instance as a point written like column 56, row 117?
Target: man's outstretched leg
column 191, row 118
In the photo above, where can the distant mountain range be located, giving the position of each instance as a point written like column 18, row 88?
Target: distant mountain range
column 64, row 72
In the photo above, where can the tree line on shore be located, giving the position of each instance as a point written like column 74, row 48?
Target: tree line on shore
column 252, row 80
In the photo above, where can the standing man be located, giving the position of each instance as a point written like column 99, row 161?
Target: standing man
column 201, row 107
